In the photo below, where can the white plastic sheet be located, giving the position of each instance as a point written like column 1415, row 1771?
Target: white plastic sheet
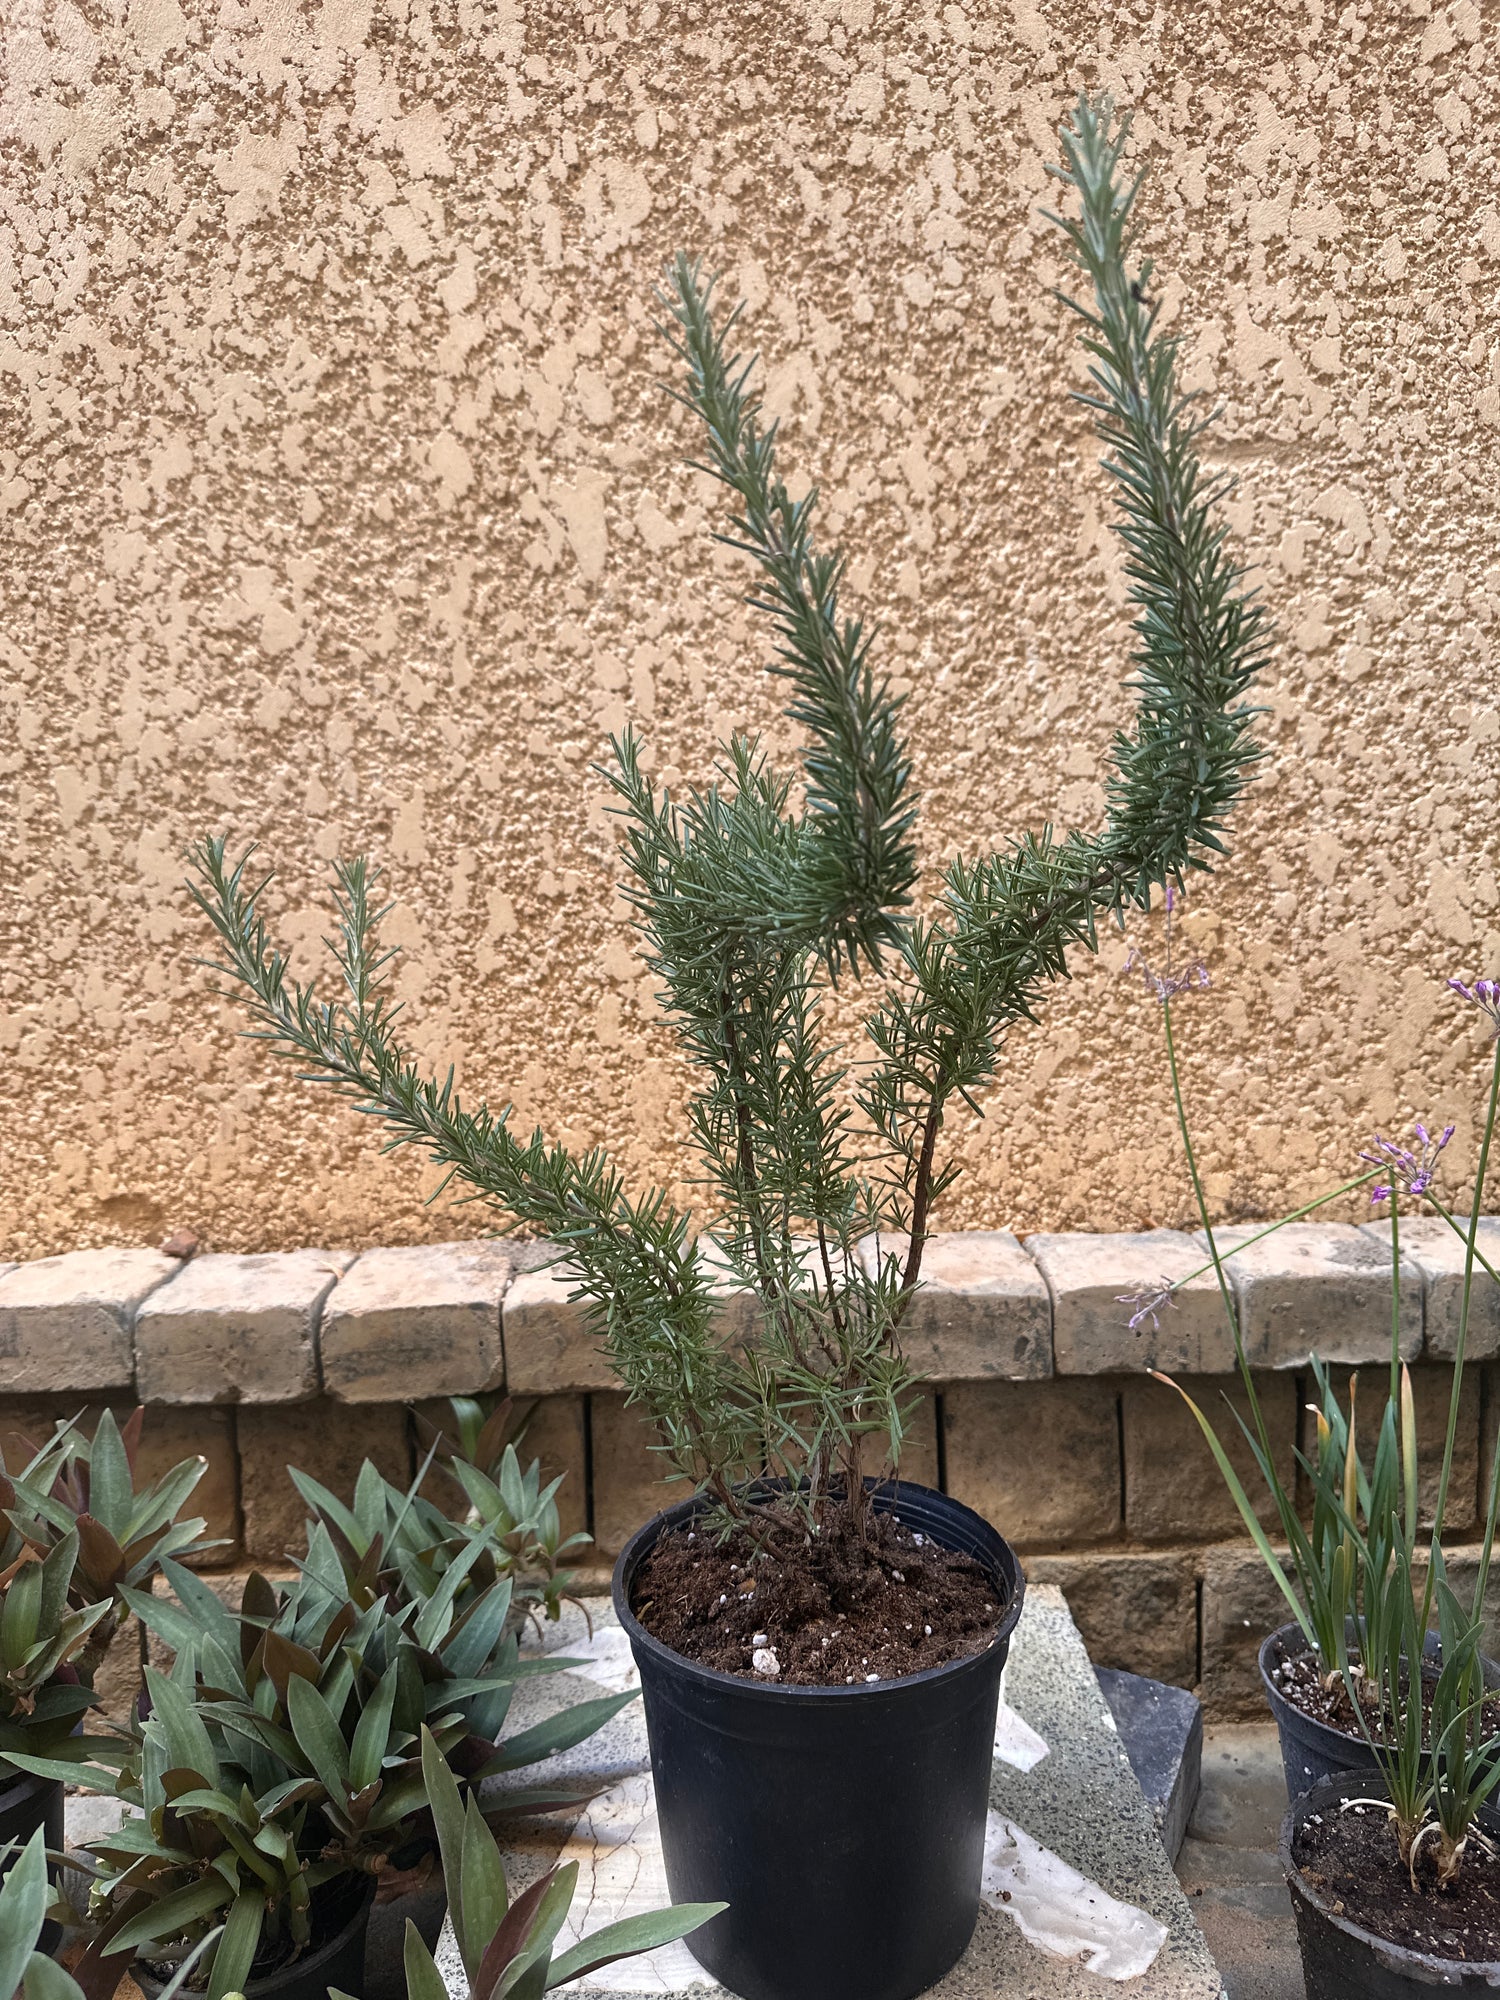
column 1061, row 1911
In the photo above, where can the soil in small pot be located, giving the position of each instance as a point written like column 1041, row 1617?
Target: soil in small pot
column 845, row 1610
column 1349, row 1860
column 1300, row 1680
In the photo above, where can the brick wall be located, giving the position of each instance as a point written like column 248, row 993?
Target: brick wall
column 1039, row 1412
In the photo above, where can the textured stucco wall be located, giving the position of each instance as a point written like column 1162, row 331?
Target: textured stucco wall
column 339, row 508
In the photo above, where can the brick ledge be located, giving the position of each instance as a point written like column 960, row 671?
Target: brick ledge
column 438, row 1319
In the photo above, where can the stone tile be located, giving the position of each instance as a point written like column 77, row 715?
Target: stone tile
column 549, row 1348
column 629, row 1481
column 1136, row 1609
column 327, row 1440
column 1240, row 1604
column 981, row 1312
column 1431, row 1247
column 1173, row 1489
column 66, row 1322
column 171, row 1434
column 1090, row 1278
column 236, row 1329
column 1161, row 1727
column 1229, row 1869
column 1432, row 1389
column 919, row 1448
column 1041, row 1460
column 1318, row 1288
column 553, row 1436
column 417, row 1321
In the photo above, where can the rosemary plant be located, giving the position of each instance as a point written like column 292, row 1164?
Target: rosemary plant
column 753, row 894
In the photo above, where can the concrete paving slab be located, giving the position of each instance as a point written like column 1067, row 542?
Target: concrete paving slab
column 1228, row 1865
column 1081, row 1803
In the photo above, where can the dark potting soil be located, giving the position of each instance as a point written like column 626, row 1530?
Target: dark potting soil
column 1300, row 1679
column 1350, row 1859
column 840, row 1612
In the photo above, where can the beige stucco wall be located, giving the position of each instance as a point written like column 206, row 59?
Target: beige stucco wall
column 340, row 509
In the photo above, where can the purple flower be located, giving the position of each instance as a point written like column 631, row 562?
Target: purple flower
column 1413, row 1169
column 1149, row 1301
column 1485, row 994
column 1166, row 985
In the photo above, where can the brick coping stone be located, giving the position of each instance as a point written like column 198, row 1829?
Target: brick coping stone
column 457, row 1318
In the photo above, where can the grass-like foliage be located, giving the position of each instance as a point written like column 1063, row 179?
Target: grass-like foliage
column 753, row 893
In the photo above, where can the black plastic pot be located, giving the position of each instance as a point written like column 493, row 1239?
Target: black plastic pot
column 844, row 1826
column 385, row 1939
column 1342, row 1961
column 25, row 1804
column 339, row 1961
column 1312, row 1751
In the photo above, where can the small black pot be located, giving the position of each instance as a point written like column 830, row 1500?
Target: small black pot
column 340, row 1961
column 1340, row 1960
column 385, row 1939
column 1313, row 1751
column 25, row 1804
column 843, row 1826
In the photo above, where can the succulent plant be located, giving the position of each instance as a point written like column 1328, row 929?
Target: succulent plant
column 77, row 1538
column 283, row 1750
column 401, row 1544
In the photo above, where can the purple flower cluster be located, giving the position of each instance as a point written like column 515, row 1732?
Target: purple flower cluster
column 1485, row 994
column 1413, row 1169
column 1167, row 985
column 1149, row 1302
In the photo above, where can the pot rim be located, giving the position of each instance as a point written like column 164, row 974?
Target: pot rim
column 1283, row 1634
column 1398, row 1957
column 16, row 1784
column 646, row 1536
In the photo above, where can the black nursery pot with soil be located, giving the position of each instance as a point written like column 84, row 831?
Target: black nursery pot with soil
column 25, row 1804
column 1311, row 1750
column 336, row 1957
column 1348, row 1887
column 843, row 1825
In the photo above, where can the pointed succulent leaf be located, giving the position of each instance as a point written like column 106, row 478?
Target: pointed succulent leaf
column 629, row 1937
column 238, row 1944
column 423, row 1980
column 558, row 1732
column 45, row 1979
column 23, row 1905
column 486, row 1897
column 100, row 1556
column 111, row 1488
column 170, row 1916
column 318, row 1735
column 448, row 1817
column 372, row 1733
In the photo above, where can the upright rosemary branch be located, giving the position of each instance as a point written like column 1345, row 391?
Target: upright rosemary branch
column 753, row 893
